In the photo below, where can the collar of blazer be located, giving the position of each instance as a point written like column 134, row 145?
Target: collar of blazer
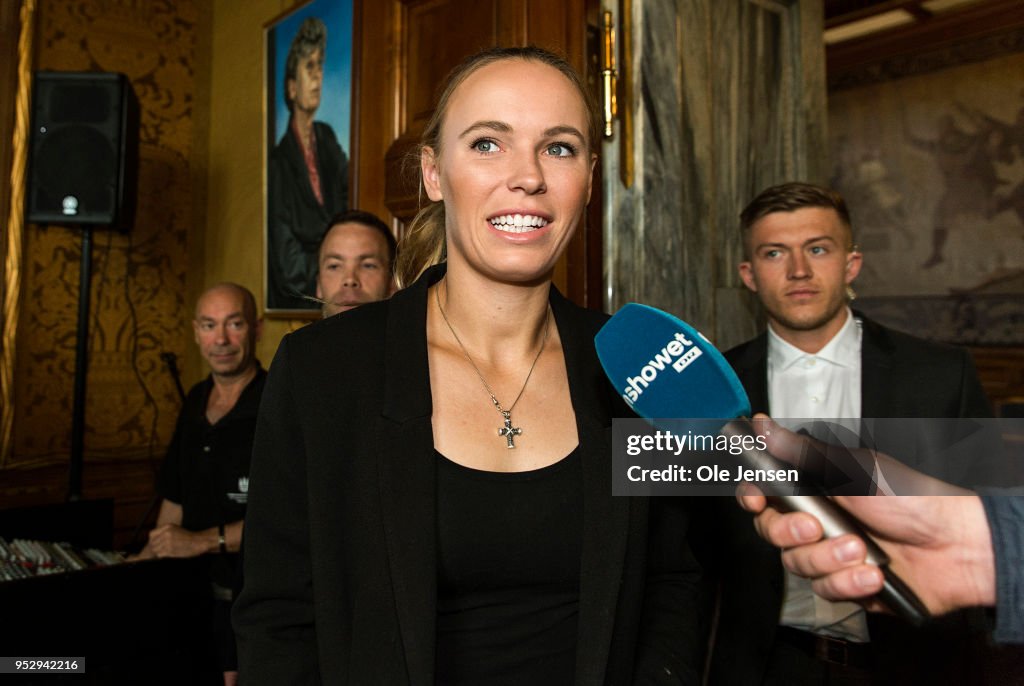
column 750, row 360
column 407, row 367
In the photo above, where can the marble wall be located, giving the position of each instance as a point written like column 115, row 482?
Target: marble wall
column 729, row 98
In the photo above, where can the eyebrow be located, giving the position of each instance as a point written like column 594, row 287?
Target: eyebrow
column 816, row 239
column 491, row 125
column 565, row 129
column 207, row 318
column 503, row 127
column 362, row 256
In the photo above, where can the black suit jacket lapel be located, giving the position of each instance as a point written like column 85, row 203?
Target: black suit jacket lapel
column 876, row 370
column 751, row 366
column 605, row 518
column 408, row 477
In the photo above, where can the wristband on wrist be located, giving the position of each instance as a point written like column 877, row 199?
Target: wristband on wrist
column 220, row 539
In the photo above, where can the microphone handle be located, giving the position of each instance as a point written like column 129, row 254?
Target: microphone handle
column 835, row 521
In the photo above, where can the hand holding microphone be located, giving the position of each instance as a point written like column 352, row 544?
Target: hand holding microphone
column 941, row 545
column 667, row 370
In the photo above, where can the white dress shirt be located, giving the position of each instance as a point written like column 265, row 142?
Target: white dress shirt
column 803, row 387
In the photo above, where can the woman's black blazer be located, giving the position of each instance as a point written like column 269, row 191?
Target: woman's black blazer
column 340, row 533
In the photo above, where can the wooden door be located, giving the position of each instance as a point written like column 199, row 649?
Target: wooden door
column 407, row 47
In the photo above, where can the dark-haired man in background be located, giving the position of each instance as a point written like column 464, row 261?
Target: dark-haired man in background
column 819, row 359
column 356, row 262
column 308, row 175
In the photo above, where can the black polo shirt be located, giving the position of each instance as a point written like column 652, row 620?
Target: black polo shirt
column 206, row 469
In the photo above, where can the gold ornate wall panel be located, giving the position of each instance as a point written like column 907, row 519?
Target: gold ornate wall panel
column 16, row 29
column 138, row 308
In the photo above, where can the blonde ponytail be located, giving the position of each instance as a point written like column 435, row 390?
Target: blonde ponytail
column 422, row 246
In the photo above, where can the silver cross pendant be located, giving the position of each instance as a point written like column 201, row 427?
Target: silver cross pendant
column 509, row 431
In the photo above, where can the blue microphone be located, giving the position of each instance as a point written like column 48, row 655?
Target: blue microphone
column 666, row 370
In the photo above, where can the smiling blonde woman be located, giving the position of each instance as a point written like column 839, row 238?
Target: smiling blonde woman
column 431, row 488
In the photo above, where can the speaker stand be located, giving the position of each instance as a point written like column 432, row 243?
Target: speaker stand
column 81, row 365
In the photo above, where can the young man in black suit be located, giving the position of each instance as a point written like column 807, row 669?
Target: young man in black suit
column 820, row 359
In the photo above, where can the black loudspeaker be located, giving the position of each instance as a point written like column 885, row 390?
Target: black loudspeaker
column 83, row 154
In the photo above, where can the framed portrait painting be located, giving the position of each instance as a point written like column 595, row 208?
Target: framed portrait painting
column 309, row 87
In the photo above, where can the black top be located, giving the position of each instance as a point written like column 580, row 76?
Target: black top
column 206, row 469
column 509, row 547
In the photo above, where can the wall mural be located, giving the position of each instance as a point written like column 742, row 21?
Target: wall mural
column 137, row 310
column 933, row 169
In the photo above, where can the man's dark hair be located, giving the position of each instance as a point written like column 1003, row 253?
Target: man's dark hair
column 789, row 197
column 367, row 219
column 311, row 36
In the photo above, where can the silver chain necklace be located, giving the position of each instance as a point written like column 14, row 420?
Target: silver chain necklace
column 508, row 432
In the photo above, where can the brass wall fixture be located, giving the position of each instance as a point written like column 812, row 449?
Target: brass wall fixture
column 625, row 94
column 616, row 66
column 608, row 73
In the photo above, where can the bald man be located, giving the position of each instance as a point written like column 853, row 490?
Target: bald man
column 204, row 480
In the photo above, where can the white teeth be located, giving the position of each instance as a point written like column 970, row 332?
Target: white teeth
column 518, row 223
